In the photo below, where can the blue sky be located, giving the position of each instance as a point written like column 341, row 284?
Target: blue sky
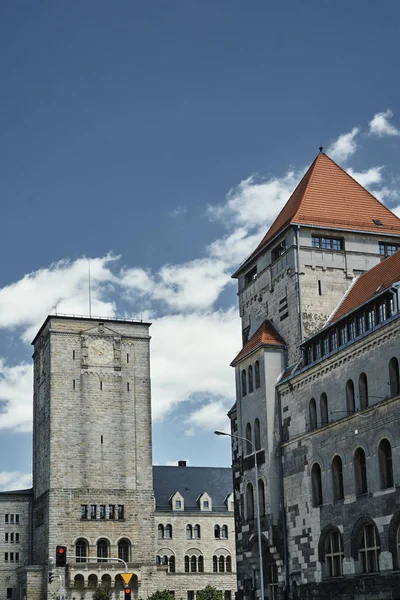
column 161, row 138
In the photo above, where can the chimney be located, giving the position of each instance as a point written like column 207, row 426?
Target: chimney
column 181, row 463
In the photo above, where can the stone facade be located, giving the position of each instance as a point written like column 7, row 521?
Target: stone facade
column 93, row 486
column 326, row 533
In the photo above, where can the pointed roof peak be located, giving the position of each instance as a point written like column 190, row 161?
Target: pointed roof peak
column 329, row 197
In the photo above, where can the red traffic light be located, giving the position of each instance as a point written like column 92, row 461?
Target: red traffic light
column 127, row 590
column 61, row 556
column 61, row 550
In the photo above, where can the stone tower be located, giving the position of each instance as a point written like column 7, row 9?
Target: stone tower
column 92, row 470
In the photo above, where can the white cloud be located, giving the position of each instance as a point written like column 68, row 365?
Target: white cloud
column 367, row 178
column 210, row 417
column 380, row 126
column 344, row 147
column 15, row 480
column 178, row 211
column 16, row 396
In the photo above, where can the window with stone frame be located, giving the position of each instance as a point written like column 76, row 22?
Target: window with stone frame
column 387, row 249
column 327, row 243
column 350, row 397
column 168, row 531
column 124, row 550
column 312, row 410
column 385, row 464
column 250, row 377
column 257, row 434
column 371, row 318
column 249, row 447
column 261, row 497
column 244, row 386
column 360, row 471
column 369, row 549
column 172, row 564
column 363, row 390
column 352, row 329
column 316, row 483
column 187, row 564
column 224, row 532
column 189, row 532
column 217, row 531
column 249, row 502
column 102, row 550
column 334, row 554
column 337, row 478
column 160, row 530
column 81, row 550
column 343, row 337
column 323, row 402
column 257, row 374
column 360, row 324
column 196, row 532
column 394, row 380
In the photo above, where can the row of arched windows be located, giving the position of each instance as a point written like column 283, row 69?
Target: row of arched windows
column 221, row 531
column 102, row 550
column 250, row 508
column 249, row 438
column 394, row 385
column 193, row 532
column 222, row 564
column 251, row 379
column 360, row 473
column 195, row 564
column 167, row 561
column 365, row 546
column 164, row 532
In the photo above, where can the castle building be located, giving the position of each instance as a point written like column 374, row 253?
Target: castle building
column 317, row 394
column 95, row 490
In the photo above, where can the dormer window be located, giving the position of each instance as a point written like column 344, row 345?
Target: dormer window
column 177, row 502
column 205, row 502
column 250, row 276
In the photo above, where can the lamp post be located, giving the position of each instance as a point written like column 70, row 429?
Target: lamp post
column 238, row 437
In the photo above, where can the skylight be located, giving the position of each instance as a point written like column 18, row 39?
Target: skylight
column 378, row 222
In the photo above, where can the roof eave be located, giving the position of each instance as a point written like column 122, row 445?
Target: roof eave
column 236, row 361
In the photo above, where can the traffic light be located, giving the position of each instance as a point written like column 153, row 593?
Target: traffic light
column 51, row 577
column 127, row 592
column 61, row 556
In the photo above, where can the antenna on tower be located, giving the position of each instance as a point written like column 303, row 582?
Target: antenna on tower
column 90, row 292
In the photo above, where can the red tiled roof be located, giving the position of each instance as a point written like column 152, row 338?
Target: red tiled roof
column 266, row 334
column 327, row 196
column 376, row 280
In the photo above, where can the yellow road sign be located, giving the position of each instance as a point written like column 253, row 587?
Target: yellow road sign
column 126, row 577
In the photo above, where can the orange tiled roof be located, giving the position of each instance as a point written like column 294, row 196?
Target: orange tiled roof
column 327, row 196
column 266, row 334
column 376, row 280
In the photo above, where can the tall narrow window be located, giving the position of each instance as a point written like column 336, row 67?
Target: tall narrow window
column 250, row 374
column 257, row 374
column 111, row 511
column 102, row 550
column 120, row 512
column 249, row 501
column 93, row 508
column 394, row 381
column 215, row 564
column 324, row 409
column 217, row 531
column 196, row 532
column 187, row 564
column 221, row 564
column 350, row 399
column 168, row 531
column 360, row 472
column 363, row 390
column 385, row 464
column 334, row 554
column 249, row 448
column 244, row 387
column 257, row 438
column 172, row 564
column 200, row 564
column 160, row 530
column 189, row 532
column 124, row 547
column 73, row 354
column 224, row 532
column 369, row 549
column 81, row 551
column 261, row 497
column 228, row 564
column 316, row 482
column 193, row 564
column 312, row 414
column 337, row 478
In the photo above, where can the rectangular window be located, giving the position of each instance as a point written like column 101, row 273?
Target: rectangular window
column 327, row 243
column 371, row 318
column 73, row 384
column 360, row 325
column 206, row 504
column 278, row 251
column 392, row 308
column 325, row 345
column 5, row 556
column 111, row 511
column 190, row 595
column 17, row 538
column 73, row 354
column 127, row 386
column 9, row 593
column 101, row 385
column 102, row 511
column 127, row 358
column 11, row 556
column 92, row 511
column 120, row 511
column 17, row 557
column 227, row 595
column 352, row 330
column 6, row 516
column 17, row 519
column 12, row 537
column 382, row 312
column 334, row 340
column 12, row 519
column 84, row 511
column 309, row 354
column 386, row 249
column 343, row 335
column 6, row 537
column 250, row 276
column 178, row 504
column 317, row 349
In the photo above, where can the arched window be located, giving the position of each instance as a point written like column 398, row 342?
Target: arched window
column 224, row 532
column 249, row 448
column 257, row 438
column 385, row 464
column 164, row 560
column 217, row 531
column 196, row 531
column 350, row 398
column 81, row 550
column 102, row 550
column 187, row 569
column 160, row 531
column 124, row 547
column 172, row 564
column 193, row 564
column 323, row 404
column 316, row 482
column 250, row 374
column 215, row 564
column 313, row 414
column 158, row 560
column 92, row 581
column 249, row 501
column 334, row 554
column 369, row 549
column 168, row 531
column 221, row 564
column 337, row 478
column 228, row 564
column 360, row 471
column 244, row 387
column 363, row 390
column 398, row 546
column 257, row 374
column 200, row 564
column 261, row 497
column 394, row 377
column 189, row 532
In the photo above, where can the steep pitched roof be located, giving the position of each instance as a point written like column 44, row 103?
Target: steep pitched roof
column 266, row 335
column 327, row 196
column 375, row 281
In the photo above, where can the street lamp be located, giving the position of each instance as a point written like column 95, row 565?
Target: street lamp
column 238, row 437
